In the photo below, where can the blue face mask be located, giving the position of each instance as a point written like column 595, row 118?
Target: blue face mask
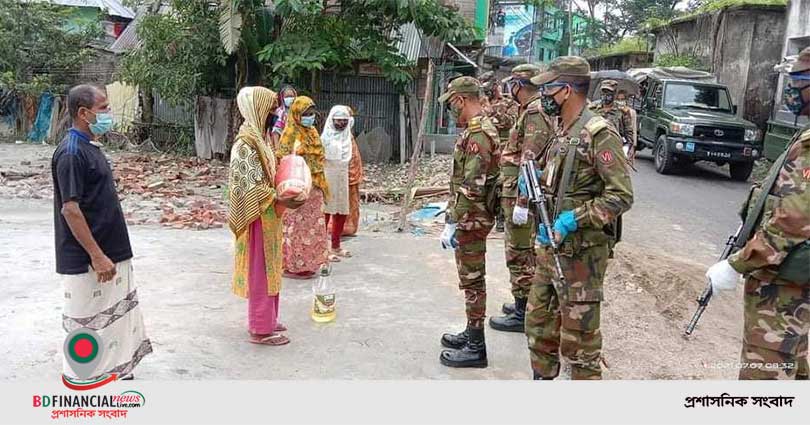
column 308, row 121
column 288, row 101
column 103, row 124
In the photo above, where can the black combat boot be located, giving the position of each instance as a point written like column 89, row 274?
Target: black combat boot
column 512, row 322
column 508, row 308
column 499, row 224
column 456, row 341
column 473, row 354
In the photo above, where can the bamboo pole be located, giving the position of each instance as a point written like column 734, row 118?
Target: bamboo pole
column 417, row 150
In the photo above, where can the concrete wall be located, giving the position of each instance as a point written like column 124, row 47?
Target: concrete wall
column 622, row 62
column 739, row 45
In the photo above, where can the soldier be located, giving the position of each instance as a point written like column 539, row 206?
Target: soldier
column 775, row 260
column 503, row 111
column 519, row 237
column 620, row 115
column 588, row 184
column 470, row 217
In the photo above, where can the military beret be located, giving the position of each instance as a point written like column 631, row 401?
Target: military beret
column 568, row 66
column 468, row 85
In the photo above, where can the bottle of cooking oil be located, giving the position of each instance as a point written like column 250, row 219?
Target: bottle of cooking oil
column 323, row 291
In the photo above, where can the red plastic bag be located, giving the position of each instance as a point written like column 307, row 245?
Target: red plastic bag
column 293, row 178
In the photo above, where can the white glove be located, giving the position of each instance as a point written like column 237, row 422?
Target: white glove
column 520, row 215
column 722, row 276
column 448, row 237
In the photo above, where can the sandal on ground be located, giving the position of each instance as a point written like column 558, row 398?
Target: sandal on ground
column 274, row 340
column 334, row 258
column 342, row 253
column 280, row 327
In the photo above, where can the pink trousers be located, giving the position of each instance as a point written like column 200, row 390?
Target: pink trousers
column 262, row 308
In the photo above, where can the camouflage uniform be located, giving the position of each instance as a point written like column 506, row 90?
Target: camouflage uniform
column 620, row 116
column 519, row 239
column 566, row 320
column 472, row 187
column 504, row 113
column 777, row 312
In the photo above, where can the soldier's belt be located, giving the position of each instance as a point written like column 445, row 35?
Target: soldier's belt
column 510, row 170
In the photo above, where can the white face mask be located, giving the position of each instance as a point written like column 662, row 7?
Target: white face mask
column 288, row 101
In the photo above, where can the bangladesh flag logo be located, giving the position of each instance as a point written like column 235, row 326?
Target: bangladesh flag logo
column 84, row 350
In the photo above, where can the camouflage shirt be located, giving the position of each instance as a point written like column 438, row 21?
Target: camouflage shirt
column 503, row 113
column 785, row 221
column 474, row 175
column 600, row 188
column 526, row 139
column 621, row 117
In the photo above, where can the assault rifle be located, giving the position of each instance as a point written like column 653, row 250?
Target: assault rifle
column 706, row 296
column 537, row 198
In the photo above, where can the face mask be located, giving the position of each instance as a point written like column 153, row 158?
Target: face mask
column 308, row 120
column 621, row 102
column 103, row 124
column 792, row 97
column 455, row 111
column 288, row 101
column 550, row 106
column 607, row 98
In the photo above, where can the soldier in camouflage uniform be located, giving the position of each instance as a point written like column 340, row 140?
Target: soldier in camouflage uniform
column 564, row 318
column 620, row 116
column 777, row 302
column 470, row 217
column 531, row 129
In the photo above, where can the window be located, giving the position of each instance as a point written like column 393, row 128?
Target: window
column 697, row 97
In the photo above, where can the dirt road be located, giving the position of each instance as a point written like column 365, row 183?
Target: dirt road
column 395, row 298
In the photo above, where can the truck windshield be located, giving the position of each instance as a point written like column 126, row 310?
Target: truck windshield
column 698, row 97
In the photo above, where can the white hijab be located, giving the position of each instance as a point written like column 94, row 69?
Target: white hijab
column 337, row 144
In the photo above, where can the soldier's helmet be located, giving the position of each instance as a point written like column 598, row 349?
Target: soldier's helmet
column 569, row 66
column 466, row 85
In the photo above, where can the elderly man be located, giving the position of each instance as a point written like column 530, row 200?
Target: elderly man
column 93, row 253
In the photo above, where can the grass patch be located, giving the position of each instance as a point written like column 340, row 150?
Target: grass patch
column 625, row 45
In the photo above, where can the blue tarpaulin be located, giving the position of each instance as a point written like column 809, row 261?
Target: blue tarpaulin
column 43, row 121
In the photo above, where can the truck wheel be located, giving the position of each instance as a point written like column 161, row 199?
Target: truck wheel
column 664, row 160
column 740, row 171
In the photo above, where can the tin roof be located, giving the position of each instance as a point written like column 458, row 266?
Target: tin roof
column 112, row 7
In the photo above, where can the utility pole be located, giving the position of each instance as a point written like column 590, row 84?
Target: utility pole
column 570, row 27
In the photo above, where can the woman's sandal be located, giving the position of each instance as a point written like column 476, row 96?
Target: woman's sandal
column 334, row 257
column 280, row 327
column 274, row 340
column 343, row 253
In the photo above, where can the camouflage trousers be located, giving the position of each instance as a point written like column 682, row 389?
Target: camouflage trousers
column 777, row 321
column 472, row 271
column 565, row 320
column 519, row 250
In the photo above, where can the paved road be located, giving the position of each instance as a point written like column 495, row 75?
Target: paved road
column 689, row 214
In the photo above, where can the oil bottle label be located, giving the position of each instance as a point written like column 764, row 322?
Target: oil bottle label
column 324, row 304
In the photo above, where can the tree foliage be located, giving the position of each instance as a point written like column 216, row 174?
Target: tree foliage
column 37, row 50
column 181, row 55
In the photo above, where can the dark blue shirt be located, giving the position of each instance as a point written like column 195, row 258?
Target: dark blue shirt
column 82, row 173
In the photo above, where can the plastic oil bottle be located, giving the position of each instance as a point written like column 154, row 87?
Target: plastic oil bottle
column 323, row 291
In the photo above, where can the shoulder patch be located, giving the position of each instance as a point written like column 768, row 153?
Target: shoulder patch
column 474, row 126
column 606, row 157
column 806, row 174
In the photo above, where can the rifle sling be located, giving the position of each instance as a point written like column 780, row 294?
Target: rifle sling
column 752, row 218
column 567, row 173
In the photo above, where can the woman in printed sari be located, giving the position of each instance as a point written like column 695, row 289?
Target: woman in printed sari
column 254, row 217
column 305, row 248
column 286, row 97
column 337, row 144
column 355, row 179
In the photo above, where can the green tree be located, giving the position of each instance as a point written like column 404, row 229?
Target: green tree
column 180, row 55
column 37, row 51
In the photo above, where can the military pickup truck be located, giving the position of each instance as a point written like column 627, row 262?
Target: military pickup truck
column 685, row 117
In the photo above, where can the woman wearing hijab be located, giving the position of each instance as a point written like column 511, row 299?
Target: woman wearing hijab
column 337, row 143
column 286, row 97
column 254, row 217
column 355, row 179
column 305, row 248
